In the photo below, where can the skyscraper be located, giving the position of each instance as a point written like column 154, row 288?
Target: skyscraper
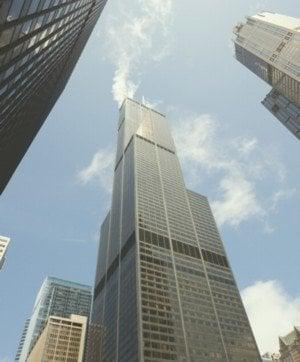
column 284, row 110
column 59, row 298
column 40, row 43
column 22, row 340
column 62, row 339
column 164, row 289
column 93, row 343
column 4, row 241
column 268, row 45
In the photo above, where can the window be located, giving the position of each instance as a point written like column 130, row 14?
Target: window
column 33, row 6
column 15, row 10
column 5, row 36
column 275, row 108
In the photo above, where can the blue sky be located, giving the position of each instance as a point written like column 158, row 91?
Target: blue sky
column 180, row 58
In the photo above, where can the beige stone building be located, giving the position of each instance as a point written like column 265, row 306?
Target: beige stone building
column 290, row 346
column 62, row 339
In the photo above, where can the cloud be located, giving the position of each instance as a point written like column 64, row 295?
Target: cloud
column 135, row 37
column 246, row 180
column 235, row 167
column 100, row 169
column 258, row 6
column 6, row 359
column 239, row 201
column 272, row 312
column 280, row 195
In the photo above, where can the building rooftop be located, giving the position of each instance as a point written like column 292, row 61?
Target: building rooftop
column 4, row 238
column 283, row 21
column 142, row 104
column 68, row 283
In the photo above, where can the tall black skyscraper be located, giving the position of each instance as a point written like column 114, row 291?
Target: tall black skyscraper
column 164, row 289
column 40, row 43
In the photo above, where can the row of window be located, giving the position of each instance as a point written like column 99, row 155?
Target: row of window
column 25, row 9
column 28, row 81
column 182, row 248
column 153, row 143
column 114, row 265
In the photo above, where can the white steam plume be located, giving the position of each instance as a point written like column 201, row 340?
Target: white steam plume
column 135, row 38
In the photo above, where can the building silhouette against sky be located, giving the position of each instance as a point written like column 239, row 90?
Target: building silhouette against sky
column 269, row 45
column 57, row 297
column 40, row 43
column 164, row 289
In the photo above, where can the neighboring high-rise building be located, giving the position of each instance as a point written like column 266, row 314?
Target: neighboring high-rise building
column 164, row 289
column 22, row 340
column 62, row 339
column 56, row 297
column 290, row 346
column 40, row 43
column 284, row 110
column 4, row 241
column 269, row 45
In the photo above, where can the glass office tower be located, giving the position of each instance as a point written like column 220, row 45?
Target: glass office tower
column 57, row 297
column 268, row 45
column 40, row 43
column 22, row 340
column 164, row 289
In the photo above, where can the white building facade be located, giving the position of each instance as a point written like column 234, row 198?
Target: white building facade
column 4, row 242
column 269, row 45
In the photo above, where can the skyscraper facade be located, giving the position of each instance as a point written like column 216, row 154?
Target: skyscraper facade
column 268, row 45
column 93, row 343
column 59, row 298
column 4, row 241
column 40, row 43
column 284, row 110
column 164, row 289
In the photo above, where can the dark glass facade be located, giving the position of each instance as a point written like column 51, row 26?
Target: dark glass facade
column 40, row 43
column 284, row 110
column 164, row 289
column 93, row 343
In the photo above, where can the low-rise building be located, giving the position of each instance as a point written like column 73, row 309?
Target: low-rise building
column 57, row 297
column 62, row 339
